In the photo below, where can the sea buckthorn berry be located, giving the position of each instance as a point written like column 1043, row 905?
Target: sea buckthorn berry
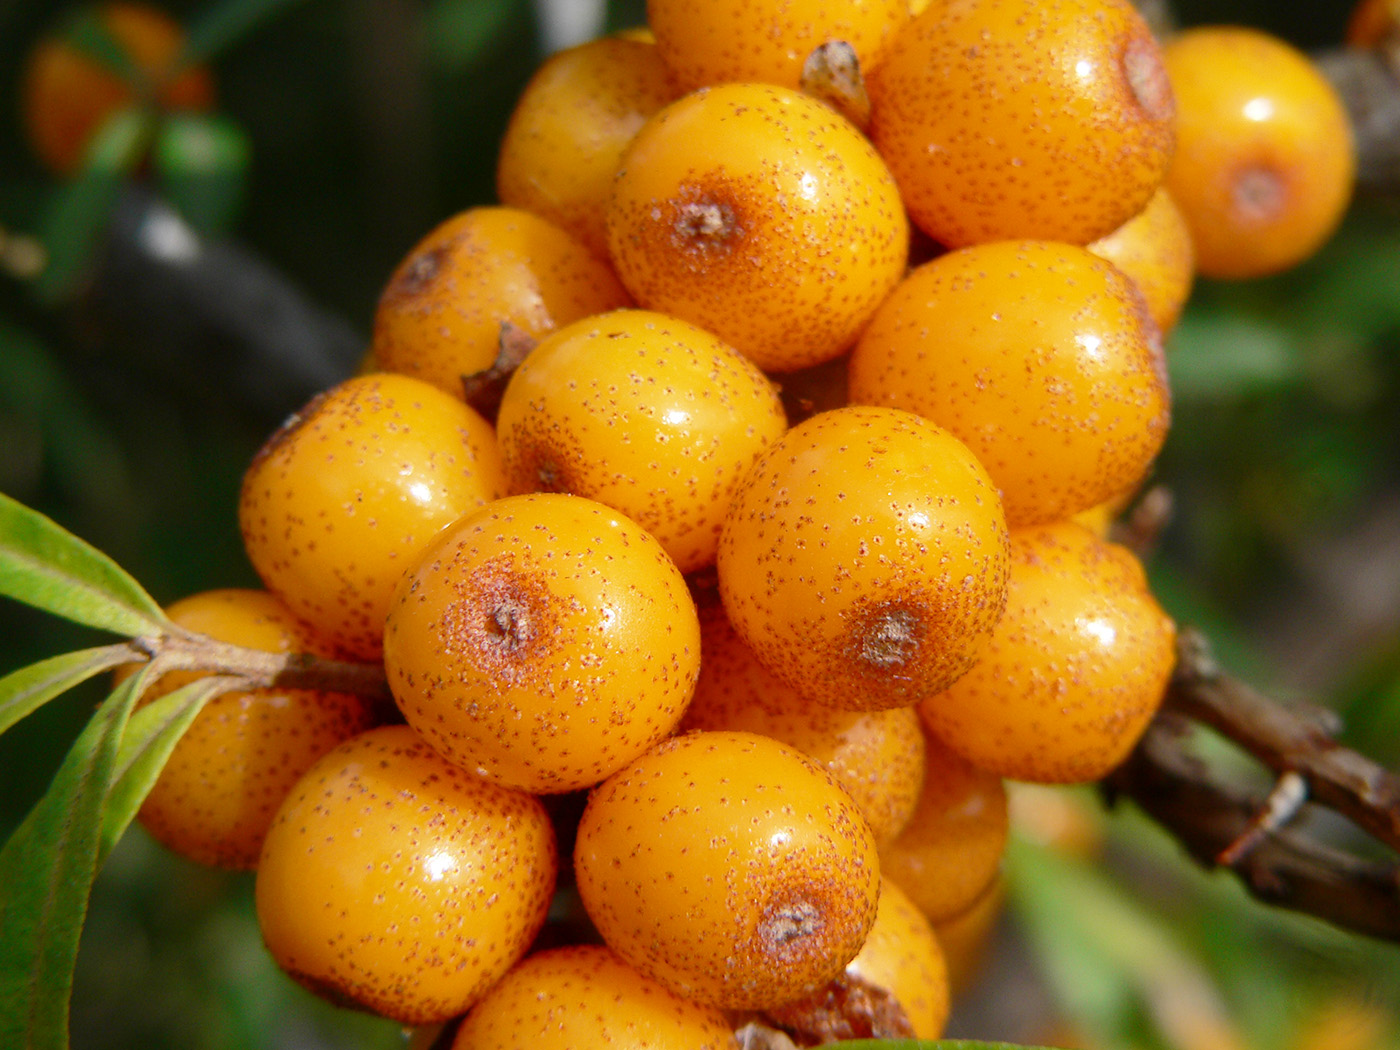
column 1264, row 162
column 648, row 414
column 584, row 997
column 217, row 792
column 68, row 94
column 543, row 642
column 394, row 881
column 951, row 849
column 1040, row 356
column 762, row 216
column 1076, row 668
column 864, row 558
column 1010, row 119
column 878, row 756
column 966, row 937
column 1154, row 249
column 340, row 500
column 1371, row 22
column 440, row 316
column 714, row 41
column 569, row 128
column 729, row 867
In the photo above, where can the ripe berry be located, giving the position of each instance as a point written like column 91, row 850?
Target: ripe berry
column 1154, row 249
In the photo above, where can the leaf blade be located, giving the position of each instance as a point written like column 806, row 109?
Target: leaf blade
column 26, row 690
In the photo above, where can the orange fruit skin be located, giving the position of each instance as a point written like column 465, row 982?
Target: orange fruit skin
column 715, row 41
column 1155, row 250
column 1040, row 356
column 439, row 317
column 730, row 868
column 569, row 127
column 217, row 792
column 339, row 501
column 966, row 937
column 903, row 956
column 1371, row 21
column 762, row 216
column 864, row 559
column 646, row 413
column 1265, row 161
column 878, row 756
column 584, row 997
column 543, row 642
column 1009, row 119
column 67, row 94
column 1076, row 669
column 394, row 881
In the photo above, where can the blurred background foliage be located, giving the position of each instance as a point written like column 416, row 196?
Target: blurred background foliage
column 344, row 130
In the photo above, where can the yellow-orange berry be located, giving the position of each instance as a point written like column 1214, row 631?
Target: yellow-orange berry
column 1018, row 119
column 1265, row 161
column 646, row 413
column 584, row 997
column 394, row 881
column 729, row 867
column 1076, row 668
column 966, row 937
column 762, row 216
column 441, row 314
column 543, row 642
column 1040, row 356
column 1154, row 249
column 340, row 500
column 714, row 41
column 864, row 559
column 569, row 128
column 218, row 790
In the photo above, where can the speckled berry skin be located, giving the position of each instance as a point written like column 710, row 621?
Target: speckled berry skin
column 1155, row 250
column 1010, row 119
column 393, row 881
column 762, row 216
column 341, row 499
column 646, row 413
column 729, row 867
column 1042, row 357
column 878, row 756
column 864, row 559
column 217, row 792
column 543, row 642
column 1075, row 671
column 584, row 997
column 439, row 317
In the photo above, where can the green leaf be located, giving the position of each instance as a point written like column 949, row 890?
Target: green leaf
column 46, row 873
column 87, row 31
column 458, row 32
column 44, row 565
column 29, row 688
column 80, row 211
column 222, row 24
column 203, row 163
column 1223, row 355
column 151, row 734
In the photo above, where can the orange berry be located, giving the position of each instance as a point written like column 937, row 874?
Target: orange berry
column 218, row 790
column 67, row 93
column 394, row 881
column 1012, row 118
column 714, row 41
column 646, row 413
column 877, row 756
column 1154, row 249
column 903, row 956
column 341, row 499
column 543, row 642
column 1371, row 22
column 1076, row 668
column 441, row 314
column 864, row 559
column 1264, row 163
column 585, row 997
column 762, row 216
column 729, row 867
column 1040, row 356
column 965, row 937
column 569, row 128
column 951, row 849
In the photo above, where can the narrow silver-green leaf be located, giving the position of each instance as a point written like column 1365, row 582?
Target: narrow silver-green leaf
column 150, row 736
column 29, row 688
column 44, row 565
column 46, row 873
column 87, row 31
column 222, row 24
